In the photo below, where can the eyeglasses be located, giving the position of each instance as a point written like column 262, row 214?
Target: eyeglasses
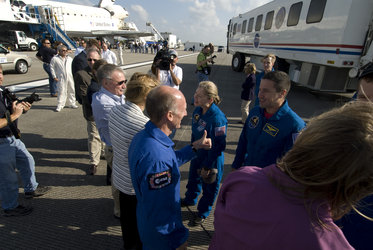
column 47, row 43
column 119, row 83
column 91, row 60
column 64, row 50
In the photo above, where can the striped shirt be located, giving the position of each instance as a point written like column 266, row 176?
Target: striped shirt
column 125, row 122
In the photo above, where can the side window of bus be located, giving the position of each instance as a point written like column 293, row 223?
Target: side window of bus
column 269, row 20
column 316, row 11
column 294, row 14
column 239, row 27
column 258, row 24
column 234, row 28
column 244, row 26
column 251, row 25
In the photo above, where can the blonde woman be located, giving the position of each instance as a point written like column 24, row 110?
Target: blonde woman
column 206, row 170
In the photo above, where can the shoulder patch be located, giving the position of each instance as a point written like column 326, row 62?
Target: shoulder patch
column 159, row 180
column 220, row 131
column 270, row 129
column 253, row 122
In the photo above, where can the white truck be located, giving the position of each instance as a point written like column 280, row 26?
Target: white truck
column 18, row 40
column 321, row 44
column 198, row 46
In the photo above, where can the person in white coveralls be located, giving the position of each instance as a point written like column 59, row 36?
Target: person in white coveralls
column 61, row 71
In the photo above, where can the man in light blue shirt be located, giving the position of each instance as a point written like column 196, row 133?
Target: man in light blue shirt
column 113, row 83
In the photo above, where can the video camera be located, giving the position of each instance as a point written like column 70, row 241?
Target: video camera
column 212, row 62
column 12, row 97
column 162, row 59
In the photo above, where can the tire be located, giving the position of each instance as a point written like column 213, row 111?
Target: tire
column 21, row 67
column 33, row 47
column 238, row 62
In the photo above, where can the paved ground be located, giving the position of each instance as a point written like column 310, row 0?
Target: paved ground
column 77, row 213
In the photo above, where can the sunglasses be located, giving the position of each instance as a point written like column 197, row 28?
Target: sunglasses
column 119, row 83
column 91, row 60
column 47, row 43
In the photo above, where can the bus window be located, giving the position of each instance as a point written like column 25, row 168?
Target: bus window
column 244, row 26
column 251, row 24
column 294, row 14
column 258, row 24
column 269, row 20
column 280, row 16
column 315, row 11
column 234, row 28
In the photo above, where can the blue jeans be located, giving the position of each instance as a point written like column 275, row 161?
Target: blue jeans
column 52, row 83
column 13, row 154
column 202, row 77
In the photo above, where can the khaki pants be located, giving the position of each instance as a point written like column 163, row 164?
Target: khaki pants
column 94, row 143
column 244, row 110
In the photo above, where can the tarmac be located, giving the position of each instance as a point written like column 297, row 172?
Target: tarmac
column 78, row 212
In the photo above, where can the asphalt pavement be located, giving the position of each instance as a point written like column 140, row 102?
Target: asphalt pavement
column 78, row 212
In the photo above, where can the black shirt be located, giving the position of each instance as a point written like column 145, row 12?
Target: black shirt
column 4, row 106
column 46, row 54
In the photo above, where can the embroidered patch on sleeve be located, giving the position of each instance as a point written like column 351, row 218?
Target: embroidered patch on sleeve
column 268, row 128
column 220, row 131
column 159, row 180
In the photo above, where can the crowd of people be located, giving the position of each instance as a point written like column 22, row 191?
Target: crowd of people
column 289, row 182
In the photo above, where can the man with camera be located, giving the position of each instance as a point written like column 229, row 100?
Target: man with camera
column 203, row 70
column 166, row 70
column 13, row 154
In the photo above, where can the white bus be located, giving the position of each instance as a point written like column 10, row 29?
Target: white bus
column 321, row 44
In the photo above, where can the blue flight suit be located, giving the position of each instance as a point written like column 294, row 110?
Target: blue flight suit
column 215, row 123
column 263, row 141
column 155, row 175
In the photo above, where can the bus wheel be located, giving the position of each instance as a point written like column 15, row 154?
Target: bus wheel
column 238, row 62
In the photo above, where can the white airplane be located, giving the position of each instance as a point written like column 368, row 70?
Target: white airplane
column 107, row 19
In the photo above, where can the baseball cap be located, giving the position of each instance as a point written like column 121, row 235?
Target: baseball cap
column 367, row 71
column 173, row 52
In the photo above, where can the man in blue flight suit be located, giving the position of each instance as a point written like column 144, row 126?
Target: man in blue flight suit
column 155, row 175
column 271, row 128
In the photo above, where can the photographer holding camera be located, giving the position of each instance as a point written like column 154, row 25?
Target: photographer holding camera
column 203, row 70
column 13, row 154
column 165, row 68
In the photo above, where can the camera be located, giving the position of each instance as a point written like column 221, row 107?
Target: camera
column 12, row 97
column 212, row 62
column 162, row 59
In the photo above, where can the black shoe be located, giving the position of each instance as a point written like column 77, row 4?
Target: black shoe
column 183, row 203
column 92, row 169
column 39, row 191
column 18, row 211
column 197, row 221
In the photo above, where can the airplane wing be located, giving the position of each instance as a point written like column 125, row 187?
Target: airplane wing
column 122, row 33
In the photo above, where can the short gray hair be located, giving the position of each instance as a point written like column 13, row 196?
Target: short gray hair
column 106, row 71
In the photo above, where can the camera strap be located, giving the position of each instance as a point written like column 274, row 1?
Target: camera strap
column 12, row 126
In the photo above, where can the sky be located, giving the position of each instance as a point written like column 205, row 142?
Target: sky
column 190, row 20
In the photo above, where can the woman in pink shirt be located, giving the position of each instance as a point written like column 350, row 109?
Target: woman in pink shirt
column 292, row 205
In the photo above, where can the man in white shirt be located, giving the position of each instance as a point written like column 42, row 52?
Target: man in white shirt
column 108, row 55
column 174, row 76
column 113, row 82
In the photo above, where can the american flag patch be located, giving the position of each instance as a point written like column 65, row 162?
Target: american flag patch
column 220, row 131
